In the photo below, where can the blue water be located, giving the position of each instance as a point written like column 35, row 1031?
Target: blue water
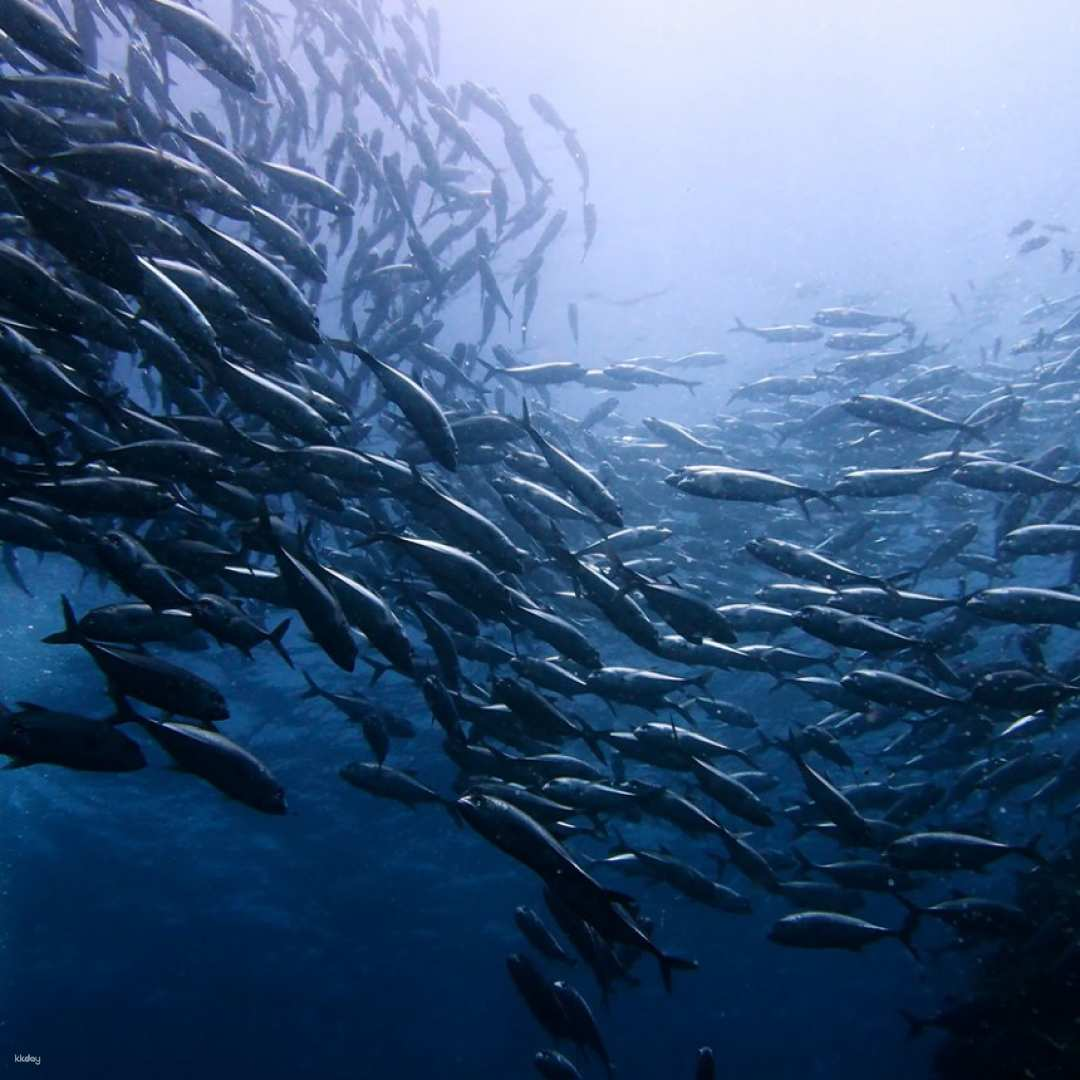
column 152, row 927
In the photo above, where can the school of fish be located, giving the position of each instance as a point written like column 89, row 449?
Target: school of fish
column 785, row 613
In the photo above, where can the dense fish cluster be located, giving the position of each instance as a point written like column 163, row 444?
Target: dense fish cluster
column 745, row 660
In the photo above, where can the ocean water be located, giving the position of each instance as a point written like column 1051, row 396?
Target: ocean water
column 152, row 928
column 758, row 160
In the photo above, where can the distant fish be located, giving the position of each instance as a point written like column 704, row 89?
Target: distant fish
column 547, row 112
column 1046, row 308
column 790, row 335
column 1033, row 244
column 852, row 318
column 573, row 148
column 704, row 359
column 628, row 301
column 590, row 228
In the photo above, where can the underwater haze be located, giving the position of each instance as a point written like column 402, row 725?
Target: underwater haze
column 538, row 540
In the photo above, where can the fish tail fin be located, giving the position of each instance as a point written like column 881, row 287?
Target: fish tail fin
column 71, row 624
column 827, row 498
column 1031, row 851
column 634, row 580
column 903, row 935
column 669, row 963
column 915, row 1025
column 937, row 665
column 265, row 523
column 455, row 814
column 591, row 738
column 786, row 744
column 275, row 636
column 125, row 714
column 378, row 669
column 49, row 445
column 767, row 742
column 805, row 864
column 739, row 327
column 255, row 449
column 910, row 925
column 314, row 689
column 975, row 431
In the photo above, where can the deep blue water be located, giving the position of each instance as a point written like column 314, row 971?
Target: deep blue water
column 155, row 928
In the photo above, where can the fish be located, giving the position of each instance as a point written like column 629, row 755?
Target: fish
column 705, row 1069
column 792, row 334
column 827, row 930
column 523, row 839
column 546, row 111
column 216, row 759
column 574, row 477
column 582, row 1025
column 881, row 409
column 554, row 1066
column 318, row 607
column 38, row 735
column 43, row 35
column 418, row 406
column 390, row 783
column 943, row 851
column 591, row 222
column 148, row 679
column 1034, row 243
column 538, row 935
column 741, row 485
column 854, row 318
column 204, row 38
